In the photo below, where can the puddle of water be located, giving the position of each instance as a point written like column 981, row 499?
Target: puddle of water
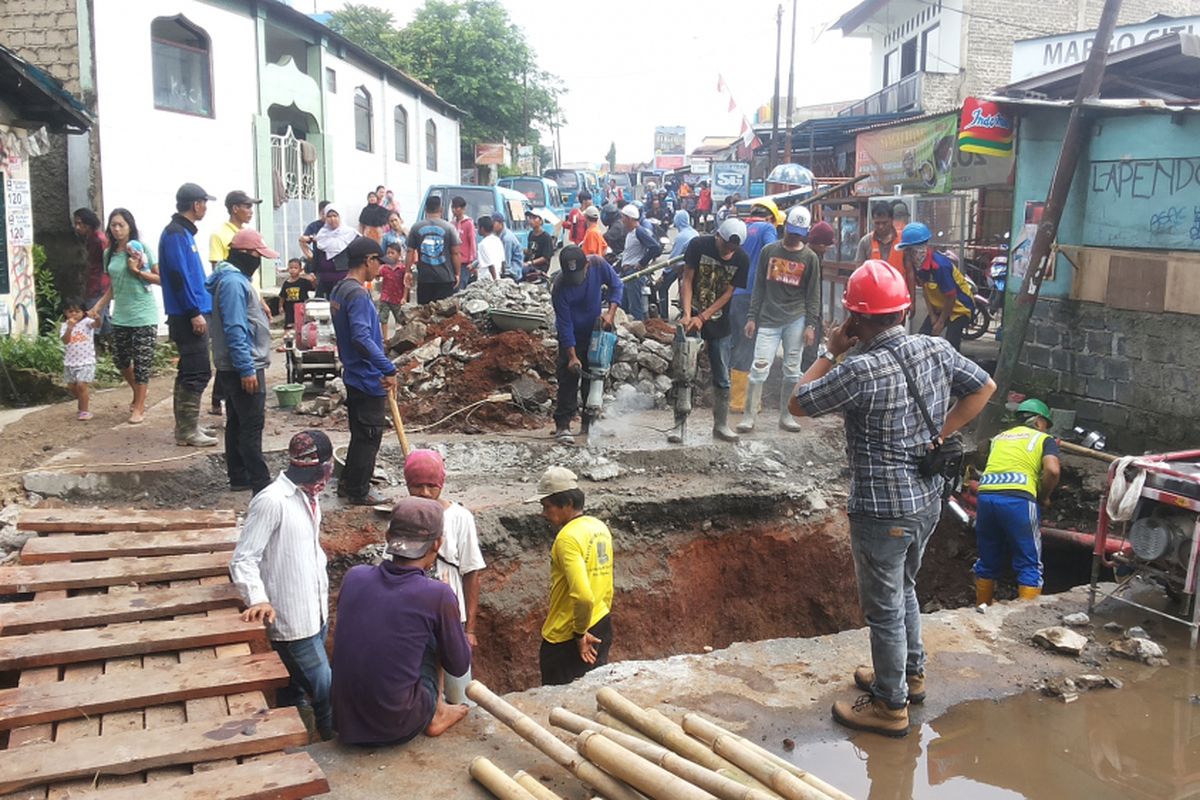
column 1141, row 741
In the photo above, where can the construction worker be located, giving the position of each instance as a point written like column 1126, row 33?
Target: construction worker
column 947, row 293
column 1022, row 471
column 761, row 230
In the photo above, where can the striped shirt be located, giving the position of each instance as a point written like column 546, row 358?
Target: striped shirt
column 279, row 560
column 885, row 432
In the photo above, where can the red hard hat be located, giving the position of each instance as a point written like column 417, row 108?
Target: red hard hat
column 876, row 287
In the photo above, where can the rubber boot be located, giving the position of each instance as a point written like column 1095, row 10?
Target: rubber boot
column 738, row 382
column 180, row 419
column 750, row 415
column 676, row 434
column 188, row 422
column 786, row 421
column 985, row 591
column 721, row 429
column 1029, row 592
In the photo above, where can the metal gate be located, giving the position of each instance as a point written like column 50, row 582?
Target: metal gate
column 294, row 177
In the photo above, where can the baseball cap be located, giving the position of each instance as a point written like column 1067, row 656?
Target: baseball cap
column 497, row 216
column 591, row 212
column 798, row 221
column 573, row 262
column 239, row 198
column 631, row 211
column 361, row 248
column 733, row 231
column 821, row 233
column 534, row 213
column 553, row 481
column 309, row 454
column 250, row 239
column 415, row 526
column 191, row 193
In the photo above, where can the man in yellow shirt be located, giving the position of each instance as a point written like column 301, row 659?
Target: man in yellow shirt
column 577, row 633
column 241, row 210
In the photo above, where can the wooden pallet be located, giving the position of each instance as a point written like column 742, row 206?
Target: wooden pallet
column 136, row 676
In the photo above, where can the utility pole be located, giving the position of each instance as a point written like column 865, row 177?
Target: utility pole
column 787, row 137
column 1016, row 322
column 775, row 97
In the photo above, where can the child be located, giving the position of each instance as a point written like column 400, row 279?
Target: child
column 295, row 290
column 79, row 356
column 393, row 288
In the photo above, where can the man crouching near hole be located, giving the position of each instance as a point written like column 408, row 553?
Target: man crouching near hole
column 395, row 627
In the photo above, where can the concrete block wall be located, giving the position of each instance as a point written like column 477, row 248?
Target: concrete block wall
column 44, row 33
column 1129, row 374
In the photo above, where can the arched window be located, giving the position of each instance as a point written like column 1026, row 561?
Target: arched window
column 363, row 119
column 400, row 120
column 430, row 145
column 182, row 66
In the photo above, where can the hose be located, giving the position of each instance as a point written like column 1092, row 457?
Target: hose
column 1122, row 494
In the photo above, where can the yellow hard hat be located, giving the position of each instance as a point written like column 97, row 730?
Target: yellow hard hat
column 769, row 204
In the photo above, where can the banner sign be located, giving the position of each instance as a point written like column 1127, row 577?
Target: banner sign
column 668, row 162
column 730, row 177
column 924, row 157
column 669, row 141
column 489, row 154
column 984, row 129
column 1047, row 53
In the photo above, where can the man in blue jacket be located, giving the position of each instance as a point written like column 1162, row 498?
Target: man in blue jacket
column 366, row 370
column 640, row 249
column 514, row 256
column 187, row 305
column 241, row 339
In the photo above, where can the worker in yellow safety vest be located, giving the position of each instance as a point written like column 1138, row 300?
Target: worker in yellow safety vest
column 1022, row 471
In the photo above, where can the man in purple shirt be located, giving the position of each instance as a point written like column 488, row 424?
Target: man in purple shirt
column 395, row 627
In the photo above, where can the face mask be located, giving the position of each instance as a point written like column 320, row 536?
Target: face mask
column 247, row 263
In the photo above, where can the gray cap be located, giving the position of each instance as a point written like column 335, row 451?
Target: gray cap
column 732, row 230
column 191, row 193
column 416, row 525
column 553, row 481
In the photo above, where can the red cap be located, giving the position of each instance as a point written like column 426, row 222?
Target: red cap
column 251, row 240
column 876, row 287
column 821, row 233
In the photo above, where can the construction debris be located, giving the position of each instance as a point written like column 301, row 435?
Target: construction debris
column 1138, row 649
column 1060, row 640
column 1077, row 620
column 1068, row 689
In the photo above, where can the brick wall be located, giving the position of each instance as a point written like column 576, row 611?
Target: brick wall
column 1130, row 374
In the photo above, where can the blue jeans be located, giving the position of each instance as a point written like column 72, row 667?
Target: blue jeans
column 766, row 345
column 718, row 360
column 887, row 556
column 1008, row 524
column 742, row 347
column 308, row 664
column 633, row 301
column 664, row 292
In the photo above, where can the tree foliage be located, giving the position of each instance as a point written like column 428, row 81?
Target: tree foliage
column 473, row 55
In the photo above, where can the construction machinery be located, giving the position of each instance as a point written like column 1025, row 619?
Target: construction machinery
column 312, row 348
column 685, row 363
column 600, row 359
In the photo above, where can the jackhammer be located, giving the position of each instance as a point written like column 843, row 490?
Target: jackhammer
column 600, row 358
column 685, row 363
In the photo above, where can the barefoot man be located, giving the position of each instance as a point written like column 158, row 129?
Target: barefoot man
column 395, row 628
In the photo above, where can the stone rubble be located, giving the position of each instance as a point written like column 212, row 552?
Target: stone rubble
column 1060, row 640
column 1137, row 649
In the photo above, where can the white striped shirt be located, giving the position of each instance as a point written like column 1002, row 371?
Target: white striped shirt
column 279, row 560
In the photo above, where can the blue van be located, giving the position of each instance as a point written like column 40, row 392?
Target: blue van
column 570, row 181
column 541, row 192
column 485, row 200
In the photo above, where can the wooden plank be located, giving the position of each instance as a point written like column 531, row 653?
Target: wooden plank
column 126, row 544
column 121, row 721
column 288, row 777
column 86, row 612
column 116, row 641
column 127, row 752
column 46, row 577
column 153, row 685
column 107, row 520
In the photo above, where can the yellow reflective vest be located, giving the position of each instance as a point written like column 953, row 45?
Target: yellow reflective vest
column 1015, row 462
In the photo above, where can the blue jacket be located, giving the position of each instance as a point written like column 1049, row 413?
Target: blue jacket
column 576, row 308
column 182, row 270
column 241, row 332
column 514, row 256
column 683, row 224
column 359, row 340
column 759, row 234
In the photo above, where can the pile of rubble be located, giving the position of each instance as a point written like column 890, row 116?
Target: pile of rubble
column 504, row 295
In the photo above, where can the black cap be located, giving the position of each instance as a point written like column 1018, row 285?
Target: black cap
column 573, row 262
column 191, row 193
column 238, row 198
column 359, row 249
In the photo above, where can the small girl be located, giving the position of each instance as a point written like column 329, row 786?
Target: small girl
column 79, row 356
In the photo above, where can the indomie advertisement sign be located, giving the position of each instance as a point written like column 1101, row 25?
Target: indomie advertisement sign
column 1048, row 53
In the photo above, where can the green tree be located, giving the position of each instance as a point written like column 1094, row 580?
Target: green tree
column 372, row 29
column 611, row 158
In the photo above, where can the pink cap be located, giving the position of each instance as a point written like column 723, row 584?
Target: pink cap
column 425, row 468
column 252, row 241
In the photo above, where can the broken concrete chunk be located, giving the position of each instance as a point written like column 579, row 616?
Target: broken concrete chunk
column 1093, row 681
column 638, row 329
column 475, row 306
column 1142, row 650
column 408, row 337
column 621, row 372
column 602, row 470
column 1062, row 688
column 1077, row 620
column 652, row 361
column 428, row 351
column 1060, row 640
column 1114, row 627
column 1137, row 632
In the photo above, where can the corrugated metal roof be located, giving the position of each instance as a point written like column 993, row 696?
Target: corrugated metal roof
column 39, row 98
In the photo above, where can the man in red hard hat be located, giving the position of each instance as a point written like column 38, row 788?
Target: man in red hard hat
column 893, row 507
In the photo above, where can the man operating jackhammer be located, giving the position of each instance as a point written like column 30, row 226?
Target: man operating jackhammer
column 894, row 391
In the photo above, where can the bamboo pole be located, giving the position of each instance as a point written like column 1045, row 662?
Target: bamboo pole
column 398, row 423
column 609, row 721
column 667, row 734
column 651, row 779
column 707, row 731
column 548, row 743
column 723, row 786
column 534, row 786
column 766, row 770
column 495, row 781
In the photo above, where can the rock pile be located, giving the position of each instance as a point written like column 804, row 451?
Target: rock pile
column 504, row 295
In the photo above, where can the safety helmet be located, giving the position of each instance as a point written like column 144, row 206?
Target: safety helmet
column 876, row 287
column 1034, row 406
column 914, row 233
column 776, row 216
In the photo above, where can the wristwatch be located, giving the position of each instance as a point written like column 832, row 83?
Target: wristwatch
column 825, row 353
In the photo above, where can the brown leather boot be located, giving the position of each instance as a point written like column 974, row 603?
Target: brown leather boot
column 873, row 715
column 865, row 676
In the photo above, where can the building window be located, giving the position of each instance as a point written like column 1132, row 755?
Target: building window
column 891, row 68
column 330, row 80
column 362, row 119
column 430, row 145
column 908, row 57
column 931, row 50
column 400, row 121
column 182, row 67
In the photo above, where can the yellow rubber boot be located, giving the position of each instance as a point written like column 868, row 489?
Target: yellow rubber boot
column 737, row 390
column 985, row 591
column 1029, row 592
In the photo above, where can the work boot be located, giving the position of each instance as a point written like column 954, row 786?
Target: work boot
column 750, row 415
column 721, row 429
column 864, row 678
column 985, row 591
column 187, row 421
column 1029, row 592
column 871, row 714
column 676, row 434
column 562, row 435
column 786, row 421
column 738, row 383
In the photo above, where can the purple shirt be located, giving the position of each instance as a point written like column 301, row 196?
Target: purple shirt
column 387, row 616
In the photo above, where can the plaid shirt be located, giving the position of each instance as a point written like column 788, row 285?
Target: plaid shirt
column 885, row 432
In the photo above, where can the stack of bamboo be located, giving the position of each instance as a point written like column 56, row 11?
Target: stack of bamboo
column 631, row 753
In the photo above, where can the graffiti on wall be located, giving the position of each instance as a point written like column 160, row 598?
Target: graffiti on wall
column 1143, row 203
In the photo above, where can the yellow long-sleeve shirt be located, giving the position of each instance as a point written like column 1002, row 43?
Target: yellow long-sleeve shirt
column 581, row 579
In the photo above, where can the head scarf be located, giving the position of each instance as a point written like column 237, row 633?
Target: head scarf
column 424, row 468
column 332, row 241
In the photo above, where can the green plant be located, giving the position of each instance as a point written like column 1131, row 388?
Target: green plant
column 45, row 354
column 45, row 293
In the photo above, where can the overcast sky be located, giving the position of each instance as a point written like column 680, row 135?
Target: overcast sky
column 630, row 65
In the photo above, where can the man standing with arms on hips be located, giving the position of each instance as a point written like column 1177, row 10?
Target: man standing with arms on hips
column 578, row 632
column 893, row 507
column 188, row 305
column 433, row 251
column 366, row 370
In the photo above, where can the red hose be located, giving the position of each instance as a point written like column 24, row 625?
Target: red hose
column 1087, row 540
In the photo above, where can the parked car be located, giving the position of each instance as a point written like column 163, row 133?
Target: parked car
column 485, row 200
column 541, row 192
